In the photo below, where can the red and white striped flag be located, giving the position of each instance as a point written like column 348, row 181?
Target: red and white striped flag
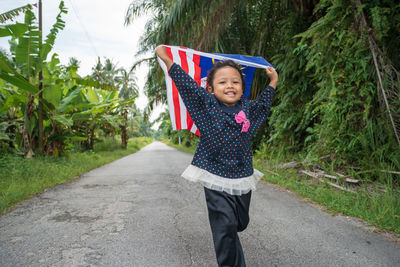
column 197, row 64
column 189, row 62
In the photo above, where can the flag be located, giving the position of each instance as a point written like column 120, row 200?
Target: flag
column 197, row 64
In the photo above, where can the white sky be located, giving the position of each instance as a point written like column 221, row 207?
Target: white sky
column 103, row 21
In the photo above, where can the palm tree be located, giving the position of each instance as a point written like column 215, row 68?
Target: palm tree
column 128, row 87
column 106, row 73
column 110, row 72
column 74, row 62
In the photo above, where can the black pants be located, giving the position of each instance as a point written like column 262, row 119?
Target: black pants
column 228, row 215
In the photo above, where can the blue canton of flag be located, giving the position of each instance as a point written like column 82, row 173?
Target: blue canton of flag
column 248, row 66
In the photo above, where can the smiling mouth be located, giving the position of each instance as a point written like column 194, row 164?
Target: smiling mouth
column 230, row 93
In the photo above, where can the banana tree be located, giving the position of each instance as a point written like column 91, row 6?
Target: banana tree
column 76, row 107
column 11, row 73
column 28, row 58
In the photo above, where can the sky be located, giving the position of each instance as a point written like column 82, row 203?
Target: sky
column 94, row 28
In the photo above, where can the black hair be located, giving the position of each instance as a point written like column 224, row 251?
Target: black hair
column 222, row 64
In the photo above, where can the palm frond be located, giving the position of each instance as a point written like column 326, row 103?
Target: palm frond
column 10, row 15
column 140, row 62
column 135, row 9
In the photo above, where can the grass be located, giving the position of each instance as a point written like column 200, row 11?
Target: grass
column 380, row 208
column 22, row 178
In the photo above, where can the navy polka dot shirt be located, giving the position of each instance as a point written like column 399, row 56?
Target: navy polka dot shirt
column 223, row 150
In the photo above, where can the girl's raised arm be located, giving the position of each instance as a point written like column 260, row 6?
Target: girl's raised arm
column 194, row 96
column 162, row 53
column 260, row 107
column 273, row 76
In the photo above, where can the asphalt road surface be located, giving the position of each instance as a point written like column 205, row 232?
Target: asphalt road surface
column 138, row 211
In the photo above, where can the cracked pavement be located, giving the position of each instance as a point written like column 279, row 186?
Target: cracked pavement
column 138, row 211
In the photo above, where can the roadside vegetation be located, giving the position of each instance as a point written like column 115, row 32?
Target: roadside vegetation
column 374, row 202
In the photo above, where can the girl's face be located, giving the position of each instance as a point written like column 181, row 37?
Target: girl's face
column 227, row 86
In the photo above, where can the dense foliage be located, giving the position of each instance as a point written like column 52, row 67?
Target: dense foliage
column 338, row 94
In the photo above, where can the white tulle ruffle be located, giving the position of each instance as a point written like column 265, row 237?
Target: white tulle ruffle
column 233, row 186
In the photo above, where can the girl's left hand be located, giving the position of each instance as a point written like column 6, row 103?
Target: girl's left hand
column 272, row 75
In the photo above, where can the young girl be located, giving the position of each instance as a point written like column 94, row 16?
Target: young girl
column 223, row 159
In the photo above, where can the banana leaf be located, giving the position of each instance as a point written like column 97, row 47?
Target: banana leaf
column 92, row 95
column 13, row 100
column 59, row 25
column 63, row 120
column 88, row 81
column 18, row 80
column 81, row 117
column 53, row 95
column 77, row 138
column 15, row 30
column 113, row 120
column 28, row 47
column 75, row 92
column 11, row 75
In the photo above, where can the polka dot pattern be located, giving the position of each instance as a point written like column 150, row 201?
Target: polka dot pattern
column 223, row 149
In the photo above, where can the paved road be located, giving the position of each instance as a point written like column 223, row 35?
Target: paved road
column 137, row 211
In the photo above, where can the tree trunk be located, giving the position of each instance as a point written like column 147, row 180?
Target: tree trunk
column 124, row 134
column 40, row 107
column 28, row 115
column 91, row 138
column 27, row 144
column 304, row 7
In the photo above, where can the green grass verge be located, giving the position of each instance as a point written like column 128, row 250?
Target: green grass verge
column 21, row 178
column 380, row 208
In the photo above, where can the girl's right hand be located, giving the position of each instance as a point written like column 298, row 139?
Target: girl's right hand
column 162, row 53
